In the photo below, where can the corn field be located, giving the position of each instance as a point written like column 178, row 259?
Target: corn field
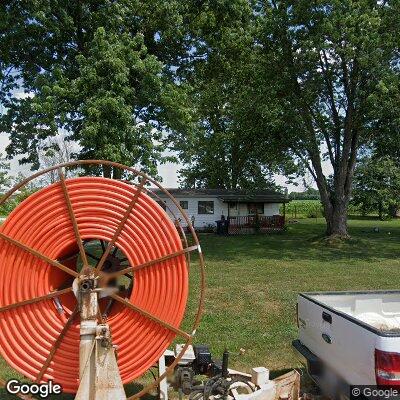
column 303, row 209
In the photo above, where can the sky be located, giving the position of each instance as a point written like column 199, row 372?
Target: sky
column 14, row 164
column 168, row 171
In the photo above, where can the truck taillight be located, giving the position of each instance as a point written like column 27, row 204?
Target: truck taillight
column 387, row 368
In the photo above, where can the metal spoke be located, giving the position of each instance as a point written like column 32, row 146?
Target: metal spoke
column 38, row 254
column 73, row 218
column 36, row 299
column 121, row 225
column 152, row 317
column 152, row 262
column 66, row 284
column 92, row 256
column 69, row 257
column 56, row 345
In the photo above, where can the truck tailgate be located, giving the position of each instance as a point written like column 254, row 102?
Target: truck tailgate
column 346, row 347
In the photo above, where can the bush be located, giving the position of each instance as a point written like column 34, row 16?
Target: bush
column 209, row 228
column 15, row 200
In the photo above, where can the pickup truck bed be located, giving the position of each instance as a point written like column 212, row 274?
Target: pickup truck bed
column 343, row 334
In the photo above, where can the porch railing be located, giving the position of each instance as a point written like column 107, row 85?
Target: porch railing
column 255, row 223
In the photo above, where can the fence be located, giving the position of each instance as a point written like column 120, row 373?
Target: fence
column 255, row 223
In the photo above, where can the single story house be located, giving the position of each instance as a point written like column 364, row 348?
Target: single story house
column 242, row 208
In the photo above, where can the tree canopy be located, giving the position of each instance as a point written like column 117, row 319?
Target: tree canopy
column 377, row 186
column 310, row 82
column 238, row 89
column 99, row 70
column 223, row 149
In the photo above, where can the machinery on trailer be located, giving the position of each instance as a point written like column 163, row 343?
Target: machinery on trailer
column 94, row 283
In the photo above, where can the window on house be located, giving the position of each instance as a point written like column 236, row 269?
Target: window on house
column 255, row 208
column 205, row 207
column 233, row 206
column 162, row 204
column 184, row 204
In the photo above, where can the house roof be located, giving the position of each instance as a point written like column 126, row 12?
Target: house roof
column 264, row 196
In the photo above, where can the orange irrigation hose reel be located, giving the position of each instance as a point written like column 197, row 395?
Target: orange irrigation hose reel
column 92, row 245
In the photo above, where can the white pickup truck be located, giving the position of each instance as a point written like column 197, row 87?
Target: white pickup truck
column 350, row 338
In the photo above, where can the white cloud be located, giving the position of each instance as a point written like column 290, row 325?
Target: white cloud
column 168, row 171
column 169, row 174
column 15, row 167
column 23, row 95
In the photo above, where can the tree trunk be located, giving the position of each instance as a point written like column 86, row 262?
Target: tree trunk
column 117, row 173
column 107, row 171
column 336, row 220
column 394, row 211
column 380, row 210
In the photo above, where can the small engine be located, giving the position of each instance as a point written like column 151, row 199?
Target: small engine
column 201, row 377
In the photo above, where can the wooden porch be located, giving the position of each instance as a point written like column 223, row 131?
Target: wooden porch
column 255, row 224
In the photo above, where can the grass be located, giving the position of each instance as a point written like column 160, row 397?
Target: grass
column 253, row 281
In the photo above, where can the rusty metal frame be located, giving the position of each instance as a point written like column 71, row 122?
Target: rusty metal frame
column 121, row 225
column 51, row 295
column 151, row 262
column 72, row 218
column 57, row 344
column 176, row 221
column 37, row 254
column 55, row 263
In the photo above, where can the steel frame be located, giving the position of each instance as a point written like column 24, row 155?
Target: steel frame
column 98, row 270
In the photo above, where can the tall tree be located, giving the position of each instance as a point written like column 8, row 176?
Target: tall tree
column 101, row 70
column 328, row 62
column 220, row 149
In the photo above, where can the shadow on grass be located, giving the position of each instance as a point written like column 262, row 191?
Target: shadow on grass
column 364, row 218
column 305, row 241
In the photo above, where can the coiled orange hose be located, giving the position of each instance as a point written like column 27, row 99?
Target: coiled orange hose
column 28, row 333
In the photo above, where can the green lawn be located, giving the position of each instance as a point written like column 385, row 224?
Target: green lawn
column 252, row 282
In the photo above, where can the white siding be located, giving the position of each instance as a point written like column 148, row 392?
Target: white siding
column 204, row 220
column 201, row 220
